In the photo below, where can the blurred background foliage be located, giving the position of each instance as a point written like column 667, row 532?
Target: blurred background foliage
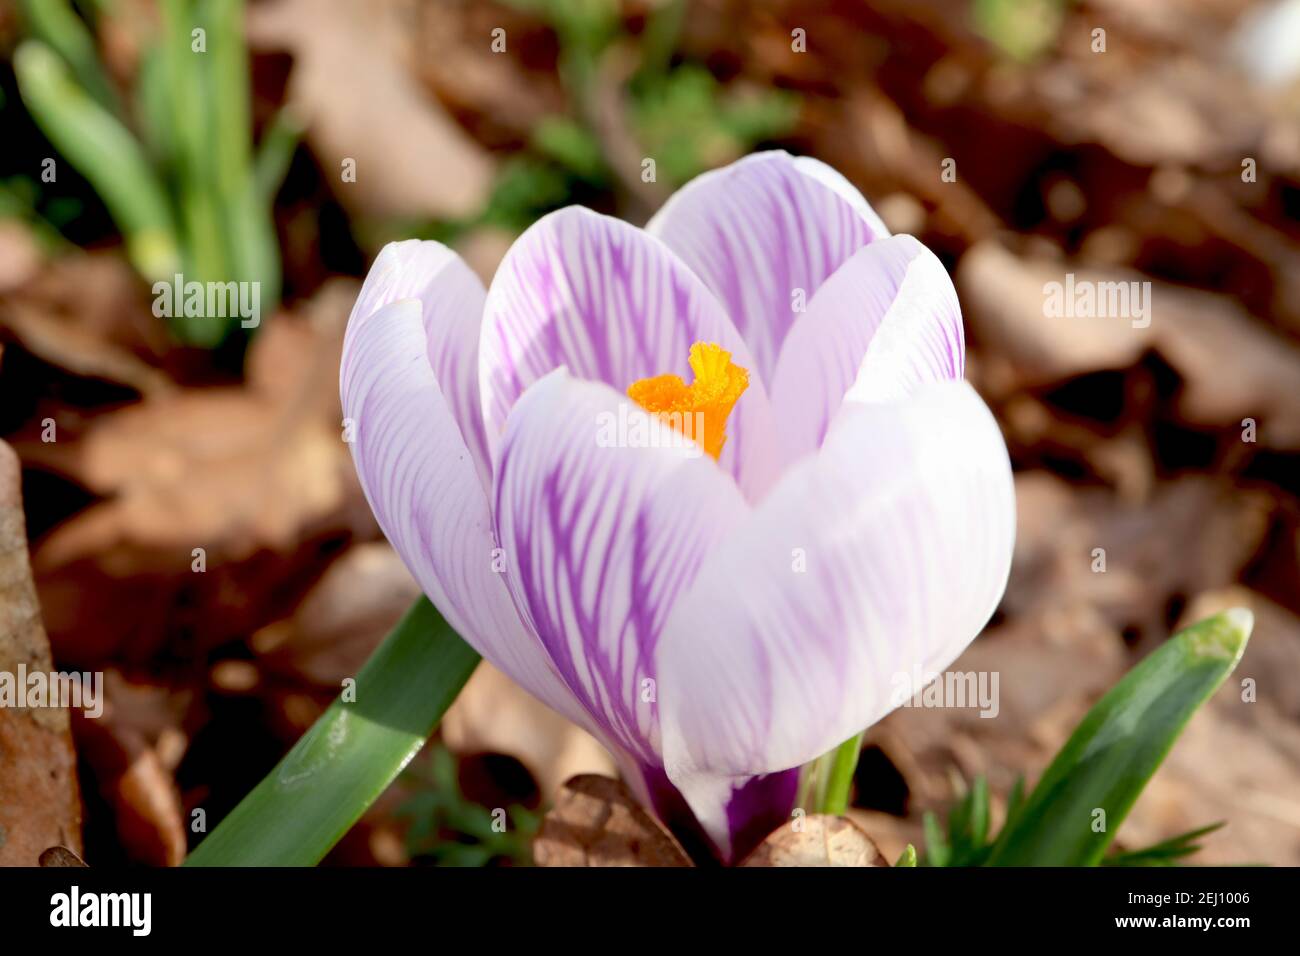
column 176, row 168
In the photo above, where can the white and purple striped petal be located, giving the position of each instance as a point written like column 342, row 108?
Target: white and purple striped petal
column 886, row 319
column 614, row 305
column 762, row 232
column 884, row 554
column 602, row 528
column 451, row 299
column 422, row 485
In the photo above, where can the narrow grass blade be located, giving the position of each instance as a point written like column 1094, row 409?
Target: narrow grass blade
column 937, row 851
column 1165, row 853
column 351, row 754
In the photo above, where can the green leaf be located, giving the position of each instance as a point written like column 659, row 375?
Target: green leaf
column 227, row 61
column 1166, row 853
column 571, row 145
column 57, row 24
column 908, row 858
column 835, row 776
column 464, row 854
column 525, row 189
column 251, row 250
column 152, row 98
column 103, row 151
column 1015, row 803
column 351, row 754
column 194, row 135
column 280, row 139
column 443, row 822
column 1118, row 746
column 968, row 824
column 690, row 122
column 979, row 812
column 663, row 26
column 966, row 841
column 1023, row 29
column 936, row 844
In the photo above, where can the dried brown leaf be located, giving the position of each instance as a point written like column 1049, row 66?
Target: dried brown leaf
column 39, row 802
column 87, row 314
column 350, row 58
column 597, row 822
column 496, row 715
column 131, row 750
column 60, row 856
column 817, row 840
column 343, row 618
column 255, row 475
column 1233, row 365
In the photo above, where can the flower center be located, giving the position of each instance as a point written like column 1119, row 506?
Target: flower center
column 699, row 410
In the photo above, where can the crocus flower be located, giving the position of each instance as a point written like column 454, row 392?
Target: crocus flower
column 816, row 502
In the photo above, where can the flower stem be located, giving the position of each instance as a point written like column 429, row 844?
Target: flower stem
column 835, row 776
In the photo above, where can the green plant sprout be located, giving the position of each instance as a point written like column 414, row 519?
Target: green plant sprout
column 176, row 169
column 1078, row 805
column 447, row 829
column 965, row 839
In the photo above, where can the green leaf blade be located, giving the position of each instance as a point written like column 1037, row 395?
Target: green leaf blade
column 1119, row 745
column 937, row 851
column 56, row 23
column 351, row 754
column 1165, row 853
column 103, row 151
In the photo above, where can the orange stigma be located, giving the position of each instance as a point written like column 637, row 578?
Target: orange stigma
column 699, row 410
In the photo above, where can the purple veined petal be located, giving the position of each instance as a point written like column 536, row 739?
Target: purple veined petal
column 883, row 555
column 833, row 178
column 422, row 486
column 614, row 305
column 451, row 297
column 605, row 514
column 884, row 323
column 761, row 231
column 920, row 341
